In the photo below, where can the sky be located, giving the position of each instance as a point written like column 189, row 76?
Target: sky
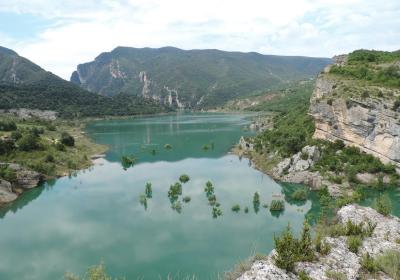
column 59, row 35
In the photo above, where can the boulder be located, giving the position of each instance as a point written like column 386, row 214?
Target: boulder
column 6, row 194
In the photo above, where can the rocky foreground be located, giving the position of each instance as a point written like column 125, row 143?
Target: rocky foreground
column 340, row 260
column 24, row 179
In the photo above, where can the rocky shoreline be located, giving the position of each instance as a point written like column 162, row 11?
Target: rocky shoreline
column 340, row 260
column 22, row 179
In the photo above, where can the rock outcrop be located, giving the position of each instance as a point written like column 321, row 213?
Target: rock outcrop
column 24, row 179
column 340, row 259
column 358, row 114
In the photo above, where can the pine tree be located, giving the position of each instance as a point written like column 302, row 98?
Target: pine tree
column 286, row 247
column 306, row 252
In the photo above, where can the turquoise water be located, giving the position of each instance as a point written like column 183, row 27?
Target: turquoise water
column 95, row 216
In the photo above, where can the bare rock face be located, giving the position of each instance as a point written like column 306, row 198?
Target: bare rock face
column 369, row 123
column 296, row 170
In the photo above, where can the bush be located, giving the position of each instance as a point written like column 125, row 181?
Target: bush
column 335, row 275
column 286, row 247
column 8, row 174
column 16, row 135
column 184, row 178
column 300, row 194
column 6, row 147
column 97, row 272
column 148, row 190
column 383, row 204
column 29, row 142
column 303, row 276
column 7, row 126
column 67, row 139
column 236, row 208
column 277, row 205
column 306, row 250
column 353, row 243
column 389, row 262
column 368, row 263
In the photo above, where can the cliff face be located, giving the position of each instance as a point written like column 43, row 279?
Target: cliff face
column 360, row 114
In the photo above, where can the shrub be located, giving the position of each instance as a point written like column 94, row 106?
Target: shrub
column 216, row 212
column 353, row 243
column 303, row 276
column 256, row 202
column 277, row 205
column 49, row 158
column 175, row 191
column 184, row 178
column 148, row 190
column 335, row 275
column 389, row 262
column 168, row 146
column 7, row 126
column 186, row 199
column 60, row 147
column 236, row 208
column 97, row 272
column 16, row 135
column 368, row 263
column 8, row 174
column 300, row 194
column 127, row 161
column 306, row 251
column 177, row 206
column 67, row 139
column 321, row 246
column 209, row 189
column 29, row 142
column 383, row 204
column 286, row 247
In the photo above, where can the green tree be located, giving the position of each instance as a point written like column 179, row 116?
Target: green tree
column 306, row 250
column 286, row 250
column 67, row 139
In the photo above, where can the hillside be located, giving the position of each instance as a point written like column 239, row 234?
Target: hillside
column 191, row 78
column 24, row 84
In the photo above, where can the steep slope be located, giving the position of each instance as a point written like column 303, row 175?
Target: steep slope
column 191, row 78
column 357, row 100
column 24, row 84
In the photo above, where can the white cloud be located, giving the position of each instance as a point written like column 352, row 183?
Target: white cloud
column 83, row 29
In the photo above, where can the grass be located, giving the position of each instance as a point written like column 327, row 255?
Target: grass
column 389, row 262
column 300, row 194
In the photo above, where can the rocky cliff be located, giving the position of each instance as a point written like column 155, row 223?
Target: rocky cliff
column 360, row 113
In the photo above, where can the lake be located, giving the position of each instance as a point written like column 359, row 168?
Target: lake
column 96, row 216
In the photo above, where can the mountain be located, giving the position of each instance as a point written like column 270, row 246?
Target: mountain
column 23, row 84
column 191, row 78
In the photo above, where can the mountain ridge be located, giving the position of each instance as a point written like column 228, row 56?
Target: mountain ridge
column 191, row 78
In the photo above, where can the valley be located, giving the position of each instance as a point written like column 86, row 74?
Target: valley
column 202, row 168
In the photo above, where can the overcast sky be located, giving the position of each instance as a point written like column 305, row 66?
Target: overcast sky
column 59, row 34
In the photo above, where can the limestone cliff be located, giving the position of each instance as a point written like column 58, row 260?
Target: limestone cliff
column 360, row 113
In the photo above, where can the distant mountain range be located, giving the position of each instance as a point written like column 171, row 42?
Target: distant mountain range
column 191, row 78
column 24, row 84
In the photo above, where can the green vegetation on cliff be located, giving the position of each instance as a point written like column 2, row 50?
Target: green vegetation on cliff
column 375, row 67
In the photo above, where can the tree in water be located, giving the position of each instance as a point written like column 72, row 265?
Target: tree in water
column 148, row 190
column 256, row 202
